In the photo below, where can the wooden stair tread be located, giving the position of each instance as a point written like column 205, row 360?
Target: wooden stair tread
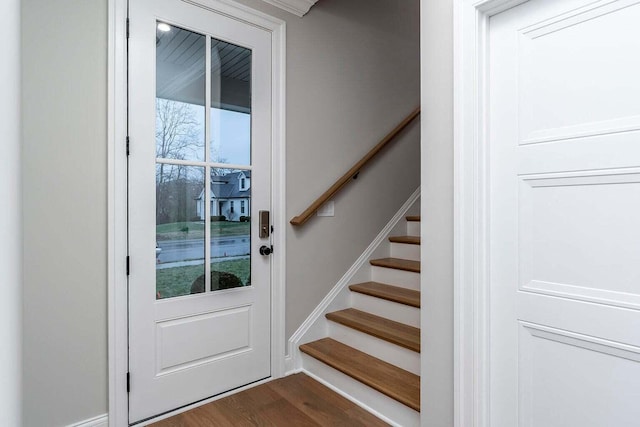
column 411, row 240
column 388, row 292
column 413, row 218
column 397, row 263
column 384, row 377
column 394, row 332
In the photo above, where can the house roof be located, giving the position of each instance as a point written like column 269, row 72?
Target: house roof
column 228, row 186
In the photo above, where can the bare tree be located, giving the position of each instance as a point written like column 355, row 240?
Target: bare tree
column 216, row 158
column 177, row 137
column 176, row 130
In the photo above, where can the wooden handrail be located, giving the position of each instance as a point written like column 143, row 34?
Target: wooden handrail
column 355, row 169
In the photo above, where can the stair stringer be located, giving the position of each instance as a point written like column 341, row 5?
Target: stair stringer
column 316, row 326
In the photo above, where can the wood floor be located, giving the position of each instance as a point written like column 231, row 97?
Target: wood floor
column 296, row 400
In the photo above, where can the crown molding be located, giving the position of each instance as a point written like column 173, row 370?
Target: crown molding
column 297, row 7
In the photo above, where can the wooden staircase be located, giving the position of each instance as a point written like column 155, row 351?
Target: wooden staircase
column 372, row 353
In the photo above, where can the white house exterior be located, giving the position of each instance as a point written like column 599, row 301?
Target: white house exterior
column 230, row 196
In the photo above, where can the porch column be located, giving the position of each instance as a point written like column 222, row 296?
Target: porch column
column 10, row 218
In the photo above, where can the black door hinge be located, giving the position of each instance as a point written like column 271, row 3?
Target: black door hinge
column 128, row 141
column 128, row 265
column 128, row 382
column 127, row 27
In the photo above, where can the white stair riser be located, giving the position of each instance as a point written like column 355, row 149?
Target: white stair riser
column 392, row 276
column 413, row 228
column 391, row 353
column 405, row 251
column 361, row 394
column 388, row 309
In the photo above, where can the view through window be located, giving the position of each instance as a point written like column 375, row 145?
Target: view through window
column 203, row 163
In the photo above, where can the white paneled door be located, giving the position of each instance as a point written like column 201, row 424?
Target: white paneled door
column 564, row 156
column 199, row 175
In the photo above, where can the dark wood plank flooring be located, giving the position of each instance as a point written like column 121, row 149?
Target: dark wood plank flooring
column 296, row 400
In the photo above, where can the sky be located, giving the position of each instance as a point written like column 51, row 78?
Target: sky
column 230, row 136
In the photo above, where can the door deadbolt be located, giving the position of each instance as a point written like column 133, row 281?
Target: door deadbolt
column 264, row 224
column 265, row 250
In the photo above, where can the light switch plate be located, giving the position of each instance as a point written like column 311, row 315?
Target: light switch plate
column 326, row 209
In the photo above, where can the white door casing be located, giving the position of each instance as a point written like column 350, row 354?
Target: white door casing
column 178, row 352
column 548, row 123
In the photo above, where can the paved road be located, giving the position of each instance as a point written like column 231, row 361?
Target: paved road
column 192, row 249
column 197, row 262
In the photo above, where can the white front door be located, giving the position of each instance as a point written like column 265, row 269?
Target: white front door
column 199, row 173
column 564, row 156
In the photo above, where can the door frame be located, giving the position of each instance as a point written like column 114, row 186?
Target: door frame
column 471, row 209
column 117, row 193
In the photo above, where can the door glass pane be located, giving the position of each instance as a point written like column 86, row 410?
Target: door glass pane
column 183, row 214
column 180, row 230
column 230, row 229
column 230, row 103
column 180, row 93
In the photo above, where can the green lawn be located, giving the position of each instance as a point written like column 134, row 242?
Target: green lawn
column 173, row 282
column 195, row 230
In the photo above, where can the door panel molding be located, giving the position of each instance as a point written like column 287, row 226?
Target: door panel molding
column 589, row 287
column 471, row 197
column 575, row 17
column 544, row 385
column 544, row 90
column 117, row 190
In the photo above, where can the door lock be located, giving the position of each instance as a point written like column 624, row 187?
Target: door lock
column 266, row 250
column 263, row 224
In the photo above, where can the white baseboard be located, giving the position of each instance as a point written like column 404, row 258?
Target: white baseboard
column 99, row 421
column 313, row 327
column 289, row 367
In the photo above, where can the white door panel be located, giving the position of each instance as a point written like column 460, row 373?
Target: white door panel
column 564, row 125
column 569, row 379
column 597, row 320
column 200, row 130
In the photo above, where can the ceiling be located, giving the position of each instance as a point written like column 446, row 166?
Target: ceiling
column 180, row 69
column 185, row 48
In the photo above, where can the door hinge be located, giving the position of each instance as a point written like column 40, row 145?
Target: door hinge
column 127, row 148
column 128, row 382
column 127, row 27
column 128, row 265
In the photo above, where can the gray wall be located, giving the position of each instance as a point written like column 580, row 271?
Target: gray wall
column 352, row 74
column 64, row 53
column 437, row 213
column 10, row 227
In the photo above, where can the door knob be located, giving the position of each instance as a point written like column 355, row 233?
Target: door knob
column 265, row 250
